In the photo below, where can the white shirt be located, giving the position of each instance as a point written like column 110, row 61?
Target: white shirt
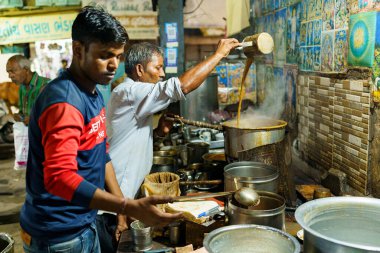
column 130, row 131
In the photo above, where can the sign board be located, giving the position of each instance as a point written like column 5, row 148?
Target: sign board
column 140, row 27
column 125, row 7
column 26, row 29
column 137, row 16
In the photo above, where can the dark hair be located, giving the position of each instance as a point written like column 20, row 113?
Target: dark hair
column 140, row 53
column 93, row 24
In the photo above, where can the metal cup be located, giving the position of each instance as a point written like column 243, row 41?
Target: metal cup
column 141, row 236
column 176, row 233
column 195, row 151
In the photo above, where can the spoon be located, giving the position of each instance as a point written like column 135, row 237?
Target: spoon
column 244, row 196
column 247, row 197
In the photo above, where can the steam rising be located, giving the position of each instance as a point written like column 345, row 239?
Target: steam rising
column 271, row 91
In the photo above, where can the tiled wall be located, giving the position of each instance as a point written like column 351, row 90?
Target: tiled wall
column 334, row 126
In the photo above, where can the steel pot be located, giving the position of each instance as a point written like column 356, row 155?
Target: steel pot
column 251, row 133
column 269, row 212
column 163, row 164
column 195, row 151
column 165, row 153
column 181, row 152
column 217, row 159
column 250, row 239
column 257, row 175
column 340, row 224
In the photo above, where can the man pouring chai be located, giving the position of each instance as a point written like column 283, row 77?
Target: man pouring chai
column 134, row 101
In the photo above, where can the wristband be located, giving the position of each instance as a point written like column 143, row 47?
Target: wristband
column 122, row 210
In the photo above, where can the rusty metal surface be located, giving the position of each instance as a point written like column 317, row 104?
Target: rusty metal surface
column 279, row 155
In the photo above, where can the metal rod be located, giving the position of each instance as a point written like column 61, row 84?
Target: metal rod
column 209, row 182
column 202, row 196
column 193, row 122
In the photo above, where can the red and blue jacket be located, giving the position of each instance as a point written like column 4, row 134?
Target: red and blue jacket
column 66, row 161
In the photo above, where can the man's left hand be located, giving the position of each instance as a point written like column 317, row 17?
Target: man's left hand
column 121, row 226
column 164, row 126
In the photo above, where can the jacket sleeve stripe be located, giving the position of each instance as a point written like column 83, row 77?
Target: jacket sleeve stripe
column 61, row 127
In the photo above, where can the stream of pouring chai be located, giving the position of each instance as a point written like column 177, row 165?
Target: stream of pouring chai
column 242, row 87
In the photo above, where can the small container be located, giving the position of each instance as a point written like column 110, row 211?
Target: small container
column 141, row 236
column 257, row 44
column 176, row 233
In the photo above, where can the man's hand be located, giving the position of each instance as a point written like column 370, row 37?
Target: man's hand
column 226, row 45
column 121, row 226
column 145, row 210
column 26, row 120
column 17, row 117
column 164, row 126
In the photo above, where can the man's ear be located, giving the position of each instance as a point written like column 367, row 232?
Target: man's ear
column 77, row 49
column 139, row 70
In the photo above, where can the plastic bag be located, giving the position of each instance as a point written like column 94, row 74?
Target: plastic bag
column 20, row 133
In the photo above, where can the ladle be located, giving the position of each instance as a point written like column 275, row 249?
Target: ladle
column 244, row 196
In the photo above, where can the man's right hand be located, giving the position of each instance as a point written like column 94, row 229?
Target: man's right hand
column 145, row 210
column 226, row 45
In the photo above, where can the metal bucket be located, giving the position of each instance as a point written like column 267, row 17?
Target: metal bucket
column 250, row 239
column 257, row 175
column 340, row 224
column 251, row 134
column 269, row 212
column 6, row 243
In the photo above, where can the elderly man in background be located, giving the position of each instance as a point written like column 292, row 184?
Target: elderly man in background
column 133, row 103
column 18, row 68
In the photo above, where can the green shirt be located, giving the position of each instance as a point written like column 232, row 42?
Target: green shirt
column 28, row 96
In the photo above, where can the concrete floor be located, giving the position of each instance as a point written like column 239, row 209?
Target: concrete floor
column 12, row 194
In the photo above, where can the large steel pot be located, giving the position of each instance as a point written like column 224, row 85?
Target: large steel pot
column 269, row 212
column 340, row 224
column 257, row 175
column 250, row 239
column 251, row 133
